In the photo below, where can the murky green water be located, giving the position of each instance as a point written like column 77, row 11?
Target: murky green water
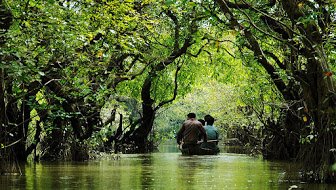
column 168, row 170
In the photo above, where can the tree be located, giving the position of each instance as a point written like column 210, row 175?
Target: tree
column 63, row 54
column 172, row 39
column 291, row 41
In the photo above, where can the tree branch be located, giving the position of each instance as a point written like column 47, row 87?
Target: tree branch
column 120, row 79
column 176, row 29
column 254, row 46
column 276, row 59
column 175, row 90
column 238, row 5
column 199, row 51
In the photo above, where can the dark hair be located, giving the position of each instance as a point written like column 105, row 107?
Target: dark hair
column 191, row 115
column 209, row 119
column 202, row 121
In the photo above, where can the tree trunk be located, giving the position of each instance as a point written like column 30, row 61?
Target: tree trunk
column 140, row 135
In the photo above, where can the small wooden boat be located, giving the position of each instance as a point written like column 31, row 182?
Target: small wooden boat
column 202, row 148
column 200, row 151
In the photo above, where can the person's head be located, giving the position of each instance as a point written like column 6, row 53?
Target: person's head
column 191, row 115
column 202, row 121
column 209, row 119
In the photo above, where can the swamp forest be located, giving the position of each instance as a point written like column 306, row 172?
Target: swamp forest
column 93, row 93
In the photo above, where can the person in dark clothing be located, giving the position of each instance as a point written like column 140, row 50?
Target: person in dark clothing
column 188, row 135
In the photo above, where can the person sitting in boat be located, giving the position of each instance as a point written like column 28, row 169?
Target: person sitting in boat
column 188, row 135
column 212, row 134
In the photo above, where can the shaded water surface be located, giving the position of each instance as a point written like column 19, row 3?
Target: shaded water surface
column 168, row 170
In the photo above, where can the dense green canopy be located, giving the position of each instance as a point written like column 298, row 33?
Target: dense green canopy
column 99, row 75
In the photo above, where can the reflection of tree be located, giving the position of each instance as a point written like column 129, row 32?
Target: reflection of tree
column 147, row 174
column 30, row 180
column 186, row 172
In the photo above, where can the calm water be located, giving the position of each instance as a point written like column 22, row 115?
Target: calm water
column 169, row 170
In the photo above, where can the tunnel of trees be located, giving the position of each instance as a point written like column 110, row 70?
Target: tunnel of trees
column 119, row 76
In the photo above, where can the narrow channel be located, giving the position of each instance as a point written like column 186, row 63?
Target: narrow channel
column 166, row 169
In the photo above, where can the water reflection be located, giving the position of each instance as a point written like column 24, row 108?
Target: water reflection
column 161, row 171
column 186, row 171
column 147, row 176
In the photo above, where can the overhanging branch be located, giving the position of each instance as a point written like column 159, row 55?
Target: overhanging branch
column 176, row 29
column 254, row 46
column 175, row 90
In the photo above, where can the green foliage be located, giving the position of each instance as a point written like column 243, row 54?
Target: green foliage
column 333, row 167
column 223, row 88
column 99, row 53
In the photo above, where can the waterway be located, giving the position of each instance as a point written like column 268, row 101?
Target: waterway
column 167, row 169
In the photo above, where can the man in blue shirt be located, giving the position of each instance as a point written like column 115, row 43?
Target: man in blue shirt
column 212, row 134
column 210, row 129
